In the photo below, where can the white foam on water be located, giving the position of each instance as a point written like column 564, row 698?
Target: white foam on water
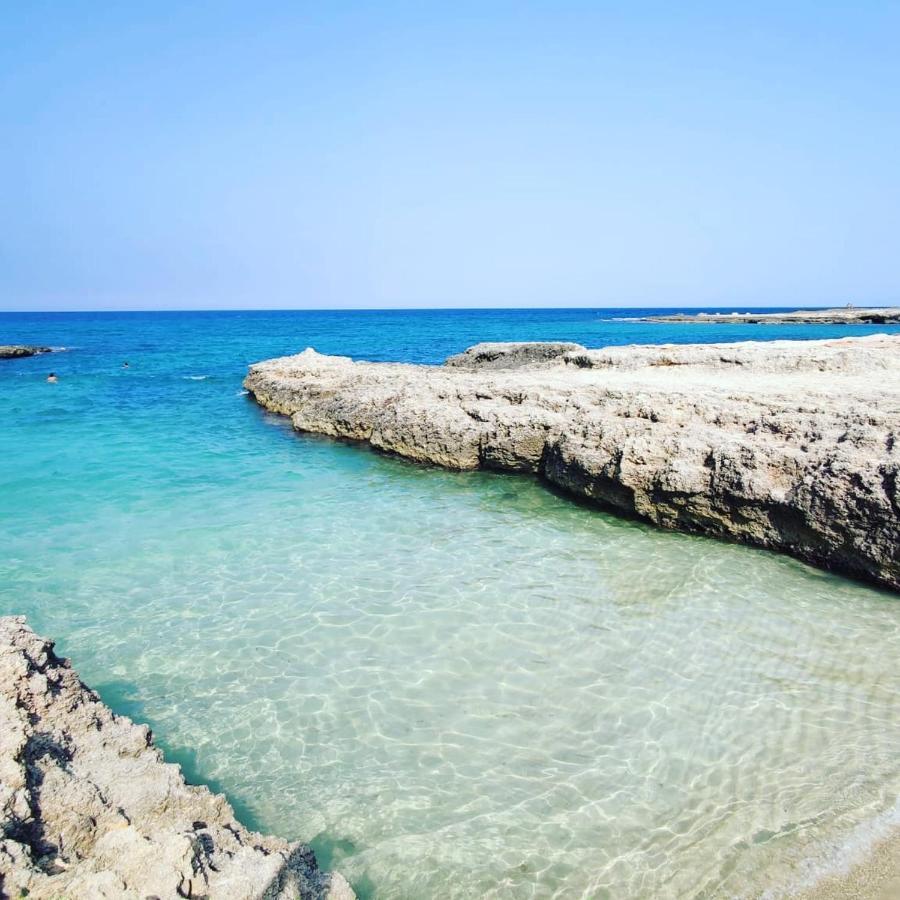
column 838, row 855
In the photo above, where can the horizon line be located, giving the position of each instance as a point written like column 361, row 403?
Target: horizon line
column 311, row 309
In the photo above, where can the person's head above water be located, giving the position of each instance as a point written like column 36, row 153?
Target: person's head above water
column 51, row 376
column 125, row 364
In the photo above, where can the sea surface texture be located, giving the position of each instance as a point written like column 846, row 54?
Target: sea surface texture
column 454, row 685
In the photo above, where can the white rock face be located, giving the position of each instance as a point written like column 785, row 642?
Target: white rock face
column 89, row 809
column 790, row 445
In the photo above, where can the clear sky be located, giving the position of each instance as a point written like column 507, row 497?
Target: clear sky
column 219, row 155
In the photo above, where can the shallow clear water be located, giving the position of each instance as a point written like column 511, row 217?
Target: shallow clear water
column 455, row 685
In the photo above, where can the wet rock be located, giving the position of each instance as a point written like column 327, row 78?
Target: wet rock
column 16, row 351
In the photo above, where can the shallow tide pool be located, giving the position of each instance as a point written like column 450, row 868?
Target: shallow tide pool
column 453, row 685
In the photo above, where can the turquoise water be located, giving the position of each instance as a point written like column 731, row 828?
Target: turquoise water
column 453, row 684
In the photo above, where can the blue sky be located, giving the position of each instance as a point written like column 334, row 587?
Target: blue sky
column 219, row 155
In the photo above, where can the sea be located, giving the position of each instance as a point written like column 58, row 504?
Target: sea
column 453, row 685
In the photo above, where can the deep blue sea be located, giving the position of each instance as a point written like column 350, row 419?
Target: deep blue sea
column 452, row 684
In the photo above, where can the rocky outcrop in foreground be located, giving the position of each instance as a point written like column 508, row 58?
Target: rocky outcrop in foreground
column 846, row 315
column 89, row 809
column 16, row 351
column 790, row 445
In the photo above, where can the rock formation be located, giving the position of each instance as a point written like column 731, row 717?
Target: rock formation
column 846, row 315
column 16, row 351
column 510, row 355
column 89, row 809
column 790, row 445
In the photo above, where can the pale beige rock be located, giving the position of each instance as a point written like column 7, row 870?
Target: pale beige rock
column 790, row 445
column 89, row 809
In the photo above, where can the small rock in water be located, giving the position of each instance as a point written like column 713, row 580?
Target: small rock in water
column 17, row 351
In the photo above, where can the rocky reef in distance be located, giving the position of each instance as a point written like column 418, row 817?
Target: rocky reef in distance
column 788, row 445
column 18, row 351
column 89, row 809
column 845, row 315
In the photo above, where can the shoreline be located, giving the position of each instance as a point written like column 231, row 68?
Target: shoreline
column 875, row 877
column 860, row 864
column 90, row 808
column 785, row 445
column 849, row 315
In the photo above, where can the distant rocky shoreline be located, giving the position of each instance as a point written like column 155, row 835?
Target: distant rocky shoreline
column 89, row 809
column 848, row 315
column 788, row 445
column 18, row 351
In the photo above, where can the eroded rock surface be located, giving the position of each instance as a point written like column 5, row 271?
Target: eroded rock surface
column 511, row 356
column 790, row 445
column 89, row 809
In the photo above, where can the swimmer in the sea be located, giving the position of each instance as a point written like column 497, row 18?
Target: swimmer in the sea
column 125, row 364
column 52, row 378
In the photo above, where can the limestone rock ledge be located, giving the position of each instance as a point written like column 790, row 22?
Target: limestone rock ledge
column 789, row 445
column 89, row 809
